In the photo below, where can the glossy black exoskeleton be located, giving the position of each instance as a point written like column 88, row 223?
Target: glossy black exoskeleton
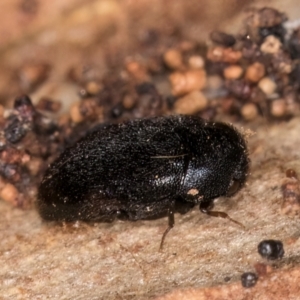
column 144, row 169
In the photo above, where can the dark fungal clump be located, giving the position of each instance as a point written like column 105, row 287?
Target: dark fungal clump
column 28, row 140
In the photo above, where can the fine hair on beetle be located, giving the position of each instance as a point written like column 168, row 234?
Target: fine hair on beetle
column 145, row 169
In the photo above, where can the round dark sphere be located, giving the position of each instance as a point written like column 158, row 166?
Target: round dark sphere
column 249, row 279
column 271, row 249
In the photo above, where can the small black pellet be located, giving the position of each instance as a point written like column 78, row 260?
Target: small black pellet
column 271, row 249
column 249, row 279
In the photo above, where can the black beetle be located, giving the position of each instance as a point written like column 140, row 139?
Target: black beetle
column 145, row 169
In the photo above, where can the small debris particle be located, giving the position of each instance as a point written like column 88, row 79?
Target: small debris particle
column 249, row 279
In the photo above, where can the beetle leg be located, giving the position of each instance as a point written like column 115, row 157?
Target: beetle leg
column 171, row 223
column 205, row 207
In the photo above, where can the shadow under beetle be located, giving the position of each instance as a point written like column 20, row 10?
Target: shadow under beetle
column 145, row 169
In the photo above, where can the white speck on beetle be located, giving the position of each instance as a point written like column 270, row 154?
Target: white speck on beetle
column 193, row 192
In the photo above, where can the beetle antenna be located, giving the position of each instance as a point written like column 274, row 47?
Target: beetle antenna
column 221, row 214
